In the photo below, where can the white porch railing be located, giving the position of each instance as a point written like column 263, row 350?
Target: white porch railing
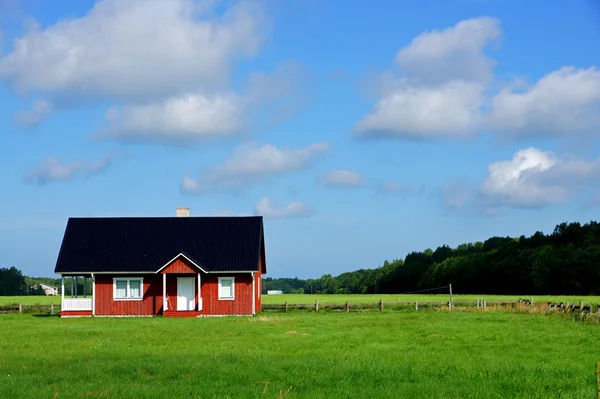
column 76, row 304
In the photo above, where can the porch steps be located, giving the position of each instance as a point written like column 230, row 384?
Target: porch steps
column 186, row 313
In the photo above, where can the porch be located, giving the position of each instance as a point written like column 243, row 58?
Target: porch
column 182, row 294
column 75, row 300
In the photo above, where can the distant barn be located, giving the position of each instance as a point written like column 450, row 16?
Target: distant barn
column 274, row 292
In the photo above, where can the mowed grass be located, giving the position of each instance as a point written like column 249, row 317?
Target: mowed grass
column 30, row 300
column 353, row 298
column 372, row 355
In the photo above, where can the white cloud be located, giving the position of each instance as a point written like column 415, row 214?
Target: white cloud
column 36, row 114
column 189, row 117
column 166, row 66
column 342, row 178
column 52, row 170
column 451, row 110
column 195, row 116
column 441, row 91
column 446, row 90
column 265, row 208
column 136, row 49
column 563, row 102
column 252, row 162
column 534, row 178
column 455, row 53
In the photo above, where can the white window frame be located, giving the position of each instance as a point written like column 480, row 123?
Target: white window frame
column 259, row 286
column 221, row 298
column 128, row 289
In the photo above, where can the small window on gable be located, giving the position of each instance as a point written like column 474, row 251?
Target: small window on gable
column 128, row 288
column 226, row 288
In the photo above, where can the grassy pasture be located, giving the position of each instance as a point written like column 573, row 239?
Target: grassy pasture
column 30, row 300
column 340, row 299
column 379, row 355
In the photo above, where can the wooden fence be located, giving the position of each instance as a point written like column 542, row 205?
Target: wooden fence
column 382, row 306
column 580, row 308
column 39, row 309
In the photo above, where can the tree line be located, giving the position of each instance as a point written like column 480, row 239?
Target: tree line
column 565, row 262
column 13, row 282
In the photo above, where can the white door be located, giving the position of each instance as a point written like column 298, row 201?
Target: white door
column 186, row 293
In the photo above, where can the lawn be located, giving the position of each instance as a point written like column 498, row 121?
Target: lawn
column 324, row 298
column 340, row 299
column 29, row 300
column 373, row 355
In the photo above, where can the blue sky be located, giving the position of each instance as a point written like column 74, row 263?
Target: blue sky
column 360, row 132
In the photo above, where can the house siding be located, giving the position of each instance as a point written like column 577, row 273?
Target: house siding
column 212, row 305
column 151, row 304
column 180, row 266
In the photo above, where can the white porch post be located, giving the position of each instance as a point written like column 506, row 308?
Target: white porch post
column 93, row 295
column 164, row 292
column 62, row 292
column 199, row 304
column 253, row 294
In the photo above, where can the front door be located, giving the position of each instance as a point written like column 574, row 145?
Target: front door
column 186, row 293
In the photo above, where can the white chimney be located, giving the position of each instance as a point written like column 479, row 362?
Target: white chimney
column 183, row 212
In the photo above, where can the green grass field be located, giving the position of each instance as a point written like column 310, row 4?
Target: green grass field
column 29, row 300
column 373, row 355
column 340, row 299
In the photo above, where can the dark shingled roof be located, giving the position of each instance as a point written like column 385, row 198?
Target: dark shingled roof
column 147, row 244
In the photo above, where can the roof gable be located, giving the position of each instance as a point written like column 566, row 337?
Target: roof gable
column 214, row 244
column 181, row 264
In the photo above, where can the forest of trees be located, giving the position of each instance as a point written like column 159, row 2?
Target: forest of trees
column 13, row 282
column 565, row 262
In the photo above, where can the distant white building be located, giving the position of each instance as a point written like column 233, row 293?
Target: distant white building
column 274, row 292
column 49, row 289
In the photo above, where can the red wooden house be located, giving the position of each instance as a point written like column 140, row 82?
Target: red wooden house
column 171, row 266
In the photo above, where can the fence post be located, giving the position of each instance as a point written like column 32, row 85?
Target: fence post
column 531, row 301
column 477, row 302
column 20, row 308
column 580, row 306
column 286, row 306
column 52, row 309
column 591, row 308
column 451, row 301
column 416, row 306
column 317, row 305
column 381, row 305
column 347, row 307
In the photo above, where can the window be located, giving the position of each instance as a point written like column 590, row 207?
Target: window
column 226, row 287
column 128, row 288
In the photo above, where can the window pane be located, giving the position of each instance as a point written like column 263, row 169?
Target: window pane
column 135, row 288
column 121, row 291
column 226, row 288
